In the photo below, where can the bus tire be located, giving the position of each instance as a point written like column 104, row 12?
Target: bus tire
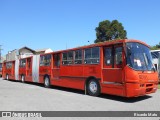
column 93, row 87
column 23, row 78
column 46, row 82
column 7, row 77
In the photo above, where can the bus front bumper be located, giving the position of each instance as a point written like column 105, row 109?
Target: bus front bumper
column 137, row 89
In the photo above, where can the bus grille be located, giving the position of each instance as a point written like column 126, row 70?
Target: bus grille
column 149, row 85
column 149, row 88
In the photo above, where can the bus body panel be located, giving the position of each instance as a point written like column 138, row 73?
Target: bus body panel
column 1, row 66
column 35, row 68
column 16, row 69
column 22, row 71
column 9, row 69
column 74, row 76
column 139, row 83
column 4, row 70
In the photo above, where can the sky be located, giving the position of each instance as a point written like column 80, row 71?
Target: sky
column 61, row 24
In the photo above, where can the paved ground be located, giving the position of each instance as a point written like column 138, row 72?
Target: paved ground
column 17, row 96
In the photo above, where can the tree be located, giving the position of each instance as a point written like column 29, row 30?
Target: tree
column 110, row 30
column 156, row 47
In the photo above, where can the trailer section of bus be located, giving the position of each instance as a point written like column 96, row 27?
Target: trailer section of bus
column 9, row 70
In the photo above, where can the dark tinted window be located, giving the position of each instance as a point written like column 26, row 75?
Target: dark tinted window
column 91, row 55
column 118, row 55
column 67, row 58
column 78, row 57
column 155, row 54
column 9, row 65
column 22, row 63
column 56, row 60
column 45, row 60
column 108, row 56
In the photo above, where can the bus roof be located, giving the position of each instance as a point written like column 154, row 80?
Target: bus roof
column 111, row 42
column 155, row 50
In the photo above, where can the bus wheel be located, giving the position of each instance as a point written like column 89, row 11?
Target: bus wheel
column 47, row 82
column 23, row 78
column 93, row 87
column 7, row 77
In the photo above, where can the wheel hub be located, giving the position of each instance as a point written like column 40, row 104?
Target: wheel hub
column 46, row 81
column 93, row 87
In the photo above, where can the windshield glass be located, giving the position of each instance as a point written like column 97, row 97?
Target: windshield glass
column 139, row 57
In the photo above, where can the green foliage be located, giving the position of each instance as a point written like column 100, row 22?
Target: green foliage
column 156, row 47
column 108, row 30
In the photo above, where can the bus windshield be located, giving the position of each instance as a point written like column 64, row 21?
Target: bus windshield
column 139, row 57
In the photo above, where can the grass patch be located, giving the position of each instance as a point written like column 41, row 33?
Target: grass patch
column 158, row 86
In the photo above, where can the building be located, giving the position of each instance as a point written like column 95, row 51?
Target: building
column 11, row 55
column 19, row 53
column 3, row 58
column 25, row 52
column 42, row 51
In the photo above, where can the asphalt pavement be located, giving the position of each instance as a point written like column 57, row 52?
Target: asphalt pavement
column 18, row 96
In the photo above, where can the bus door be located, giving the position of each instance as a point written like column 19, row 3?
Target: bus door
column 29, row 67
column 56, row 66
column 112, row 65
column 13, row 69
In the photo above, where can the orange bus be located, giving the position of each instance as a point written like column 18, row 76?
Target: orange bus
column 0, row 69
column 118, row 67
column 9, row 70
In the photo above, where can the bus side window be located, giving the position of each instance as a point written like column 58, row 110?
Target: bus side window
column 45, row 60
column 118, row 56
column 70, row 57
column 108, row 56
column 78, row 57
column 8, row 65
column 22, row 63
column 48, row 60
column 67, row 58
column 41, row 60
column 92, row 55
column 56, row 58
column 64, row 58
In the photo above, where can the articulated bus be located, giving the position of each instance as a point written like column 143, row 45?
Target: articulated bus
column 118, row 67
column 0, row 69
